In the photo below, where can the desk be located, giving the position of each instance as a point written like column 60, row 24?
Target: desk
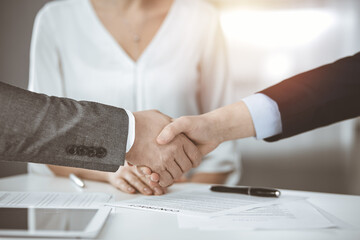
column 136, row 224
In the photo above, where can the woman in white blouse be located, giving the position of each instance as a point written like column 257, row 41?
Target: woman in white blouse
column 136, row 54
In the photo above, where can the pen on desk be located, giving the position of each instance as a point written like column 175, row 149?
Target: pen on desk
column 253, row 191
column 76, row 180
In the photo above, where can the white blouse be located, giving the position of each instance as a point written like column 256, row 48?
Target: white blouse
column 183, row 71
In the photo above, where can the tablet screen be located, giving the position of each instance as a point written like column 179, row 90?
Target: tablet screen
column 45, row 219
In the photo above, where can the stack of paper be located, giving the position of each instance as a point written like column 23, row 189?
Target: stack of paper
column 298, row 214
column 208, row 210
column 53, row 199
column 199, row 202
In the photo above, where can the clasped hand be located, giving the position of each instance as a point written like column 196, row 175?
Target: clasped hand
column 169, row 161
column 163, row 147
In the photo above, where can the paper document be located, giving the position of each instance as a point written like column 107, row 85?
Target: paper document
column 289, row 215
column 195, row 202
column 53, row 199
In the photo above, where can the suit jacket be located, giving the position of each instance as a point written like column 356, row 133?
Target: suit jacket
column 42, row 129
column 319, row 97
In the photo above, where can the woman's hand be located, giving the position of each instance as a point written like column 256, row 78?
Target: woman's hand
column 127, row 179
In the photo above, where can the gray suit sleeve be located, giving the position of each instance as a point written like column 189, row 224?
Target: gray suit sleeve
column 60, row 131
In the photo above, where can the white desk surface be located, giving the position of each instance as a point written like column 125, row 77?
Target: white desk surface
column 138, row 224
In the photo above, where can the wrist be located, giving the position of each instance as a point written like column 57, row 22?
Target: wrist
column 215, row 120
column 132, row 156
column 131, row 130
column 265, row 115
column 232, row 122
column 107, row 177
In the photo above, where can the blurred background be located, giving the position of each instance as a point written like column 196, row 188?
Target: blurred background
column 268, row 41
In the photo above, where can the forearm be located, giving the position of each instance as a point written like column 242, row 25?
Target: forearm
column 317, row 98
column 231, row 122
column 42, row 129
column 82, row 173
column 209, row 130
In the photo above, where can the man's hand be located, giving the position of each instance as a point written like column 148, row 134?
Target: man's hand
column 207, row 131
column 200, row 129
column 170, row 161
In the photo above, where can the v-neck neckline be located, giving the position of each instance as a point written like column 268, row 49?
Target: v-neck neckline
column 118, row 46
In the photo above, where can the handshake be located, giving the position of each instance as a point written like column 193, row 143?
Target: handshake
column 165, row 149
column 166, row 157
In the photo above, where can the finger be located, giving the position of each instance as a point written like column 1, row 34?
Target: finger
column 142, row 170
column 157, row 189
column 183, row 160
column 138, row 184
column 124, row 186
column 152, row 177
column 152, row 183
column 165, row 179
column 155, row 177
column 174, row 168
column 172, row 130
column 192, row 152
column 146, row 172
column 130, row 164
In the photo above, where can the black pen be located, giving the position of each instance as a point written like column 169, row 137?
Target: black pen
column 253, row 191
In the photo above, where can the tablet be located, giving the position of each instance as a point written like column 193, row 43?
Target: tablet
column 52, row 222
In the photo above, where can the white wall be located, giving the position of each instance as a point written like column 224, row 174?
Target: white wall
column 272, row 40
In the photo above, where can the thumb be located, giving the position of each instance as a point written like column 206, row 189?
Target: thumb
column 168, row 133
column 142, row 170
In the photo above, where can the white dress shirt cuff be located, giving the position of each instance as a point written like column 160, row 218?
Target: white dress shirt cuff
column 265, row 115
column 131, row 131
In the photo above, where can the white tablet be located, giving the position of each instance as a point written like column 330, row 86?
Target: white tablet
column 52, row 222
